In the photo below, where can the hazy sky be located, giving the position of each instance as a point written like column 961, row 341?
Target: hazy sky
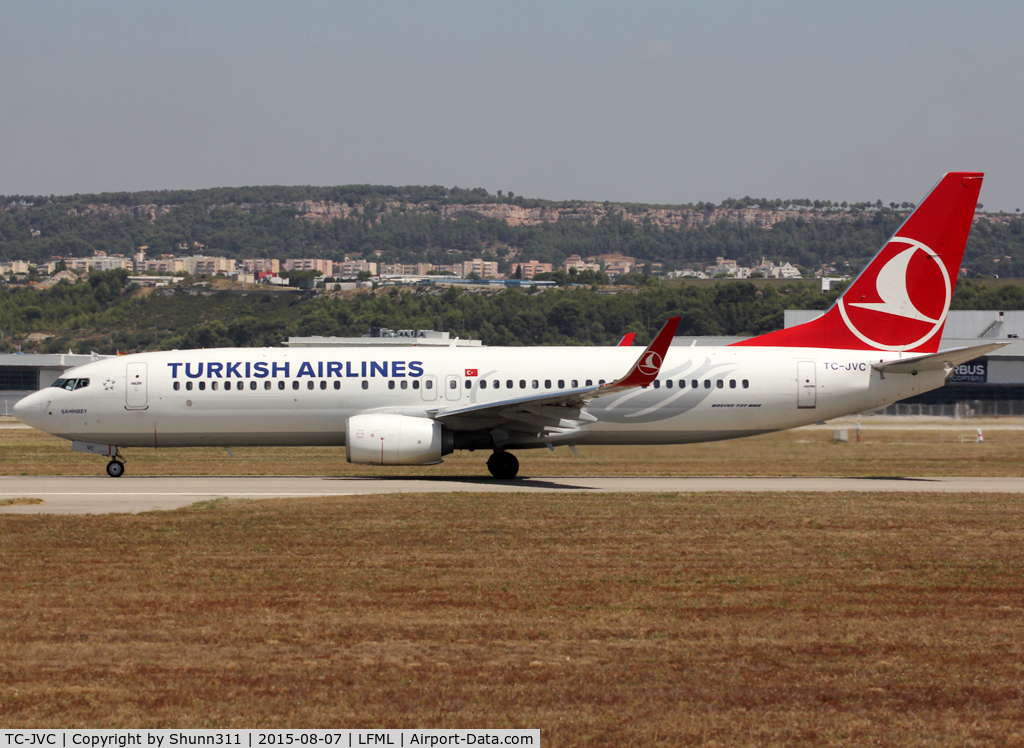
column 656, row 102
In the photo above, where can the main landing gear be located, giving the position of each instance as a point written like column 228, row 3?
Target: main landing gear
column 115, row 468
column 503, row 465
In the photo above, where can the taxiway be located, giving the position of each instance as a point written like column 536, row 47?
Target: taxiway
column 103, row 495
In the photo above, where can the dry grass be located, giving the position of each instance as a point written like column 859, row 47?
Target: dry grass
column 742, row 619
column 20, row 501
column 802, row 453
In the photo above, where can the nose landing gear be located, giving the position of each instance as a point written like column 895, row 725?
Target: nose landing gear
column 503, row 465
column 115, row 468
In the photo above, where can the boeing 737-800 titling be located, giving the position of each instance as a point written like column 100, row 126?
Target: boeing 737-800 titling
column 877, row 344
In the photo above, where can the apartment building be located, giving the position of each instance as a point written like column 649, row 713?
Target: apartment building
column 324, row 266
column 483, row 268
column 203, row 265
column 262, row 265
column 352, row 268
column 531, row 268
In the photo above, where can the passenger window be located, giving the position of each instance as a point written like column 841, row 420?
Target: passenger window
column 188, row 386
column 561, row 384
column 309, row 384
column 600, row 381
column 522, row 384
column 682, row 384
column 668, row 383
column 657, row 384
column 508, row 384
column 202, row 385
column 280, row 385
column 177, row 386
column 720, row 384
column 496, row 384
column 295, row 384
column 366, row 385
column 415, row 384
column 547, row 384
column 575, row 383
column 391, row 384
column 337, row 384
column 405, row 385
column 252, row 385
column 536, row 384
column 430, row 384
column 590, row 383
column 732, row 384
column 469, row 384
column 483, row 384
column 695, row 384
column 707, row 384
column 453, row 384
column 323, row 384
column 213, row 386
column 746, row 384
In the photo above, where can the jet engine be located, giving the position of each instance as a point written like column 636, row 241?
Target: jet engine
column 389, row 439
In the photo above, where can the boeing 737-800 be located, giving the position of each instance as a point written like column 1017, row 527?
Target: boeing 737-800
column 877, row 344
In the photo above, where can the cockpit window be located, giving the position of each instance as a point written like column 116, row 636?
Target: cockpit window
column 71, row 384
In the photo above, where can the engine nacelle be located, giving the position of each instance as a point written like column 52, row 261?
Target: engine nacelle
column 389, row 439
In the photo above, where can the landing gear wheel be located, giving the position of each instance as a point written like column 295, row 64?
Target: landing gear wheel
column 115, row 469
column 503, row 465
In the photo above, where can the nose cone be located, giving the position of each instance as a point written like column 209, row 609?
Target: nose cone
column 29, row 410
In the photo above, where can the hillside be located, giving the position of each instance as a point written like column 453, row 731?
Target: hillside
column 437, row 224
column 105, row 315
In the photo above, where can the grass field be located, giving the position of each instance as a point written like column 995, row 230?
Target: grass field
column 629, row 619
column 804, row 452
column 608, row 619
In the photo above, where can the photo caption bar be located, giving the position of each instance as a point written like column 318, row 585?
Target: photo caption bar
column 261, row 738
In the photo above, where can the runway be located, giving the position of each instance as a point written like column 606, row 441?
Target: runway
column 103, row 495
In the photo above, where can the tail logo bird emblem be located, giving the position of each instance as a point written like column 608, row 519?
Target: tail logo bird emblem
column 650, row 365
column 905, row 303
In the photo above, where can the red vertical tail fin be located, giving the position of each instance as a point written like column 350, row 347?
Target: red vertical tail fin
column 900, row 300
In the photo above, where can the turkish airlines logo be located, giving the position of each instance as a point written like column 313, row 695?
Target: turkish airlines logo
column 904, row 302
column 651, row 365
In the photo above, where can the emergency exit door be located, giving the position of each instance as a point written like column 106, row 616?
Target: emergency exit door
column 807, row 387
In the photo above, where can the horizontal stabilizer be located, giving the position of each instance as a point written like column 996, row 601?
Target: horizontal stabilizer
column 934, row 361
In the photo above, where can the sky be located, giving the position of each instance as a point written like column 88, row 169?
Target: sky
column 649, row 102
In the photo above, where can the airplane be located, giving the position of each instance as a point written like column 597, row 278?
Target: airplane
column 877, row 344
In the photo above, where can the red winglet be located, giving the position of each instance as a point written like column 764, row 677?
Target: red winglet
column 627, row 339
column 646, row 368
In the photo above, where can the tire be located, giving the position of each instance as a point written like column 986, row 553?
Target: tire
column 115, row 469
column 503, row 465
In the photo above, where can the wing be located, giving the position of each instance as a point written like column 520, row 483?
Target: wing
column 554, row 414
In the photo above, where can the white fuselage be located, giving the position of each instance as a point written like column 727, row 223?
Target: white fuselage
column 277, row 397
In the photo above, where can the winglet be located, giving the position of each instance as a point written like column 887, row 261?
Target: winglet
column 627, row 339
column 647, row 367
